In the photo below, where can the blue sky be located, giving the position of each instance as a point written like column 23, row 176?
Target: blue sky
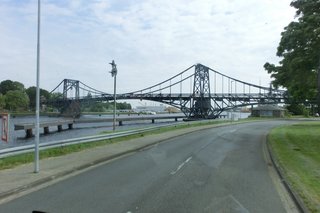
column 149, row 40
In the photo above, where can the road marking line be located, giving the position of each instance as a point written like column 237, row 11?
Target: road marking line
column 180, row 166
column 243, row 209
column 233, row 130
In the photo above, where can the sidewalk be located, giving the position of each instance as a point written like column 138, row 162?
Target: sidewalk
column 22, row 178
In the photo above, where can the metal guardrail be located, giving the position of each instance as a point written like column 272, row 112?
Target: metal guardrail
column 30, row 148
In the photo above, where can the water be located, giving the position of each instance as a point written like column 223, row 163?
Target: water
column 17, row 138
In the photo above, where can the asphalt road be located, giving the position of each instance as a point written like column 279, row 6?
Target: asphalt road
column 215, row 170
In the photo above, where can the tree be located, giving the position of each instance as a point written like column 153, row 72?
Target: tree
column 31, row 92
column 9, row 85
column 299, row 50
column 56, row 95
column 98, row 107
column 16, row 100
column 2, row 101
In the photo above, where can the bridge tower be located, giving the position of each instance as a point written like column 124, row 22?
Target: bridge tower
column 201, row 107
column 71, row 107
column 69, row 84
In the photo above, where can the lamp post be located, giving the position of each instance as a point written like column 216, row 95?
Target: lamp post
column 37, row 126
column 114, row 72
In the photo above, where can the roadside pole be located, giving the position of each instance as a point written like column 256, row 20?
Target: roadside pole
column 318, row 84
column 36, row 150
column 114, row 72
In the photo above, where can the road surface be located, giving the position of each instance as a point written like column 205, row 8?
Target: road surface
column 215, row 170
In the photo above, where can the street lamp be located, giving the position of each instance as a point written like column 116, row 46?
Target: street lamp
column 114, row 72
column 37, row 125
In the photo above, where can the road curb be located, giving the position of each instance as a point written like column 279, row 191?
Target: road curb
column 44, row 180
column 295, row 197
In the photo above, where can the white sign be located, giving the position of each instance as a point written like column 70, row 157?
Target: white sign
column 5, row 127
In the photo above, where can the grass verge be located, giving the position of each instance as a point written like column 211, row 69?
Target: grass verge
column 297, row 151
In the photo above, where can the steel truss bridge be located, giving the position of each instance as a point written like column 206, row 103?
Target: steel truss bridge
column 199, row 92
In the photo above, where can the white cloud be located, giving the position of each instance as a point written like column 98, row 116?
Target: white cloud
column 149, row 40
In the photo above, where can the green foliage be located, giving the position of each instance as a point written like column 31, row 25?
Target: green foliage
column 123, row 106
column 103, row 107
column 9, row 85
column 299, row 50
column 297, row 109
column 98, row 107
column 16, row 100
column 31, row 92
column 56, row 95
column 2, row 101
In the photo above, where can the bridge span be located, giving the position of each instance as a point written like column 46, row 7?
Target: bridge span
column 199, row 92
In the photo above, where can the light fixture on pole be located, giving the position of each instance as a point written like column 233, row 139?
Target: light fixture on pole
column 114, row 72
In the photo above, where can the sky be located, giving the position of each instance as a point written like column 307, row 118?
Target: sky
column 150, row 40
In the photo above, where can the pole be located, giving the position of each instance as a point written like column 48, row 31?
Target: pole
column 115, row 105
column 318, row 84
column 36, row 150
column 114, row 72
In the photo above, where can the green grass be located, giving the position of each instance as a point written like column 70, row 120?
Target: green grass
column 297, row 150
column 13, row 161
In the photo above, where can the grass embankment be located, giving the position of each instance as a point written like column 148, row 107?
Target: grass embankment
column 297, row 151
column 12, row 161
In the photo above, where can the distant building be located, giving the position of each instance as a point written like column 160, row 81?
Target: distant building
column 268, row 111
column 148, row 109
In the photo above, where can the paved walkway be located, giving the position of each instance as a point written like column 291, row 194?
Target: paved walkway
column 22, row 178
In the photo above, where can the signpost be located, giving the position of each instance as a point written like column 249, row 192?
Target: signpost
column 5, row 127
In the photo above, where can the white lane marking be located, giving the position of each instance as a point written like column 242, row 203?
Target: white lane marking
column 233, row 130
column 244, row 210
column 180, row 166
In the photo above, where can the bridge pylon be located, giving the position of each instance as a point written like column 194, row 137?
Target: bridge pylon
column 72, row 107
column 68, row 84
column 201, row 107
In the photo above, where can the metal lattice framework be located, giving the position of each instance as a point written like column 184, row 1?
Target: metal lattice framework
column 209, row 93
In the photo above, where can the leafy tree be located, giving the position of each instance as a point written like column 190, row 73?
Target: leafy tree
column 296, row 109
column 31, row 92
column 98, row 107
column 299, row 50
column 123, row 105
column 2, row 101
column 9, row 85
column 16, row 100
column 56, row 95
